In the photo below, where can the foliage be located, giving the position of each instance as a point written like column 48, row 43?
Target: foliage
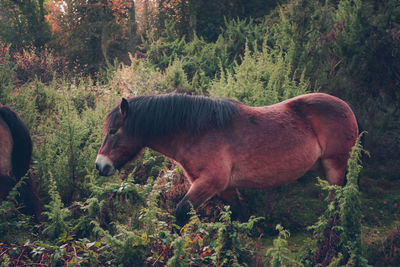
column 91, row 33
column 11, row 219
column 33, row 64
column 224, row 243
column 201, row 61
column 7, row 73
column 204, row 18
column 338, row 230
column 139, row 78
column 57, row 214
column 382, row 245
column 22, row 24
column 280, row 254
column 71, row 148
column 262, row 79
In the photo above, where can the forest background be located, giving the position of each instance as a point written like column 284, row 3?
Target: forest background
column 64, row 64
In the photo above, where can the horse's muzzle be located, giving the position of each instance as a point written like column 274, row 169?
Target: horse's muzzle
column 104, row 165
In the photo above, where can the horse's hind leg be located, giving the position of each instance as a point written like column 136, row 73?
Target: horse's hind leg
column 6, row 184
column 233, row 199
column 334, row 169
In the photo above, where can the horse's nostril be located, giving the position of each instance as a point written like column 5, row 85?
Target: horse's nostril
column 97, row 166
column 106, row 168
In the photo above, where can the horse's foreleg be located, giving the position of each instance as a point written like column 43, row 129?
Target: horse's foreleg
column 200, row 191
column 232, row 198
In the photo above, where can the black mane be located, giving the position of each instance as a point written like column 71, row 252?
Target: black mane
column 22, row 148
column 153, row 116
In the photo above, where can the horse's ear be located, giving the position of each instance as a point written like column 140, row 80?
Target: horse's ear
column 124, row 107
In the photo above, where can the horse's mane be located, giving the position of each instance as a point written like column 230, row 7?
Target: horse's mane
column 22, row 148
column 152, row 116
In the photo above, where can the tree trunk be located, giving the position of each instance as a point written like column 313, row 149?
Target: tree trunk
column 192, row 18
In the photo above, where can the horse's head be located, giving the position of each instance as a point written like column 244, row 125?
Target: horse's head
column 119, row 145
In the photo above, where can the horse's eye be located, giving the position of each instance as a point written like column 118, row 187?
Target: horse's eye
column 112, row 131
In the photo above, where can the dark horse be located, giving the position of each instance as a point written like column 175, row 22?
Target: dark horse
column 223, row 145
column 15, row 157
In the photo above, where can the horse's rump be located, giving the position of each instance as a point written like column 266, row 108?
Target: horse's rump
column 22, row 143
column 15, row 157
column 6, row 147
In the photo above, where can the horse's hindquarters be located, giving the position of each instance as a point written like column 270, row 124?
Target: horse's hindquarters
column 6, row 145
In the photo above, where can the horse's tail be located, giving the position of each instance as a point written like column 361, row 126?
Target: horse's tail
column 22, row 148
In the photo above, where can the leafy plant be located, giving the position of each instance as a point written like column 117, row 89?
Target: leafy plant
column 339, row 228
column 58, row 223
column 280, row 254
column 7, row 73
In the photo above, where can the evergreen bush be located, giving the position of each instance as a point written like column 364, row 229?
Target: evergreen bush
column 338, row 230
column 7, row 73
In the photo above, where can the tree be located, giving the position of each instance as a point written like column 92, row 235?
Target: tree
column 23, row 24
column 91, row 33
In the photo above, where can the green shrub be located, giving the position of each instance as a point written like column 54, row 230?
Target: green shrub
column 7, row 74
column 338, row 230
column 176, row 77
column 202, row 61
column 138, row 78
column 280, row 254
column 12, row 222
column 70, row 140
column 263, row 78
column 58, row 223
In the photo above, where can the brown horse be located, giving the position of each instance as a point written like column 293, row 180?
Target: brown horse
column 223, row 145
column 15, row 157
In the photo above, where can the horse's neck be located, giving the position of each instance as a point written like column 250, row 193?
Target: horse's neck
column 171, row 145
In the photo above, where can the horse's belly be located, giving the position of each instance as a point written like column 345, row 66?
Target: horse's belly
column 273, row 168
